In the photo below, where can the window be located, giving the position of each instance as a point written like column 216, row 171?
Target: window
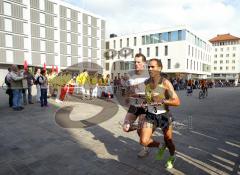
column 114, row 66
column 42, row 46
column 234, row 48
column 42, row 5
column 233, row 68
column 215, row 62
column 233, row 55
column 227, row 48
column 7, row 9
column 226, row 67
column 156, row 51
column 42, row 18
column 215, row 55
column 120, row 43
column 43, row 59
column 56, row 48
column 56, row 34
column 221, row 68
column 221, row 49
column 55, row 22
column 42, row 32
column 140, row 50
column 79, row 28
column 121, row 65
column 25, row 28
column 221, row 61
column 89, row 42
column 189, row 50
column 169, row 36
column 169, row 63
column 9, row 56
column 89, row 31
column 55, row 8
column 89, row 20
column 135, row 41
column 227, row 61
column 8, row 25
column 68, row 13
column 221, row 55
column 26, row 44
column 215, row 68
column 191, row 65
column 233, row 61
column 215, row 49
column 68, row 25
column 68, row 49
column 89, row 53
column 143, row 40
column 192, row 51
column 148, row 52
column 9, row 40
column 69, row 61
column 107, row 66
column 68, row 37
column 227, row 55
column 165, row 50
column 127, row 42
column 114, row 44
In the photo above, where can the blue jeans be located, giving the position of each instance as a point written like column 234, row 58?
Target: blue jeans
column 17, row 98
column 43, row 97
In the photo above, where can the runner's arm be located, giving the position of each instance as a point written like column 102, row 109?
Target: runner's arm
column 173, row 97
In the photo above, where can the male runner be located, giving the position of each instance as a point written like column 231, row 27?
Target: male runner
column 136, row 89
column 159, row 95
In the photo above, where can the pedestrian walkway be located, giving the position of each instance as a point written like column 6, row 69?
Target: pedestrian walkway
column 32, row 142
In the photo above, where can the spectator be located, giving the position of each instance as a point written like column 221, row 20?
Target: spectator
column 16, row 85
column 38, row 73
column 43, row 81
column 30, row 80
column 9, row 90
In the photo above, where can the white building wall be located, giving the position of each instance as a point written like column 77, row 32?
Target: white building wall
column 177, row 53
column 226, row 61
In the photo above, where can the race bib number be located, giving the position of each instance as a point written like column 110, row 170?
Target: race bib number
column 136, row 101
column 156, row 109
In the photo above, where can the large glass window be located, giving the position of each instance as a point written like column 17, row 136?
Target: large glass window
column 174, row 36
column 165, row 37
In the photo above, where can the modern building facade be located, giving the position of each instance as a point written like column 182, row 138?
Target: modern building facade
column 183, row 53
column 51, row 32
column 226, row 57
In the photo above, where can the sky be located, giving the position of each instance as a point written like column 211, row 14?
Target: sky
column 206, row 18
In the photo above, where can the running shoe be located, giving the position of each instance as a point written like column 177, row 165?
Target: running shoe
column 170, row 162
column 144, row 152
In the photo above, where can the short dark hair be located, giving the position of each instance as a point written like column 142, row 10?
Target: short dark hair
column 43, row 71
column 142, row 56
column 9, row 69
column 159, row 62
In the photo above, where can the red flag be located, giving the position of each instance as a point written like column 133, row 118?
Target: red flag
column 52, row 69
column 56, row 69
column 44, row 67
column 25, row 65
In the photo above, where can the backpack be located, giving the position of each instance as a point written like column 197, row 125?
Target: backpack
column 7, row 82
column 37, row 80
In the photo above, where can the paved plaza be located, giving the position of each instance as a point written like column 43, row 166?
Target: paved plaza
column 85, row 137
